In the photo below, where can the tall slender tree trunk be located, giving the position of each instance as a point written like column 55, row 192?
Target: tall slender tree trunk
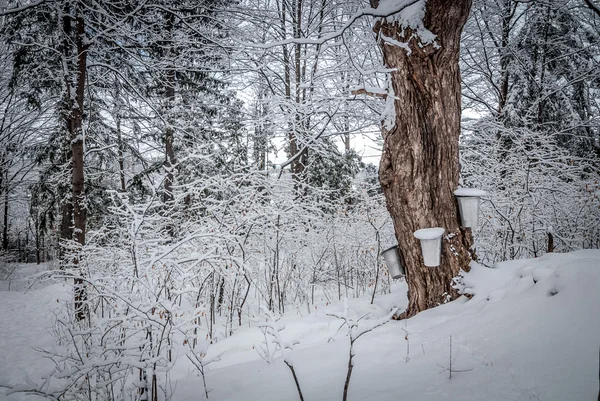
column 74, row 215
column 298, row 167
column 287, row 74
column 505, row 140
column 120, row 142
column 77, row 149
column 170, row 159
column 260, row 133
column 66, row 224
column 77, row 137
column 5, row 214
column 508, row 12
column 38, row 243
column 4, row 181
column 121, row 146
column 419, row 169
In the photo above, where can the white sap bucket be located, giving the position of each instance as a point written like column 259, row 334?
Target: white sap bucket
column 431, row 245
column 393, row 263
column 468, row 205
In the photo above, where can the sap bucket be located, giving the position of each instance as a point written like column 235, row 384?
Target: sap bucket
column 393, row 263
column 468, row 205
column 431, row 245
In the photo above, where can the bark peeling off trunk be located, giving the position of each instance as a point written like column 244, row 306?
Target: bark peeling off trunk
column 419, row 170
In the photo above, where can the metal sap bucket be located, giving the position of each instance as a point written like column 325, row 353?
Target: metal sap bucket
column 468, row 205
column 393, row 263
column 431, row 245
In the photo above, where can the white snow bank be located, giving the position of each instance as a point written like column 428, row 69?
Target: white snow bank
column 529, row 331
column 21, row 276
column 307, row 329
column 25, row 325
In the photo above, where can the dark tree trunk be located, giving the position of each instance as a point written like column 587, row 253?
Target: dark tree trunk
column 506, row 142
column 74, row 215
column 121, row 156
column 77, row 149
column 420, row 167
column 260, row 134
column 38, row 245
column 120, row 142
column 508, row 11
column 298, row 151
column 66, row 224
column 5, row 217
column 550, row 243
column 77, row 140
column 170, row 159
column 4, row 181
column 297, row 161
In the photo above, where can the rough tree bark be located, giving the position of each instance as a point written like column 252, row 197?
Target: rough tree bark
column 419, row 169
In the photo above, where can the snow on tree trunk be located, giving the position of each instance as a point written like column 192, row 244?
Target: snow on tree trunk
column 419, row 169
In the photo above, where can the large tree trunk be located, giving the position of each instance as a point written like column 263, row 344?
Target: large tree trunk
column 419, row 169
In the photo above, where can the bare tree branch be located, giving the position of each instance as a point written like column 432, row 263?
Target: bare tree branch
column 19, row 9
column 592, row 7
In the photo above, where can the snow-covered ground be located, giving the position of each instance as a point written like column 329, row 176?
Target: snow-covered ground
column 531, row 331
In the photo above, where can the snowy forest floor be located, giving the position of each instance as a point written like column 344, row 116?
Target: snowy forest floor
column 531, row 331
